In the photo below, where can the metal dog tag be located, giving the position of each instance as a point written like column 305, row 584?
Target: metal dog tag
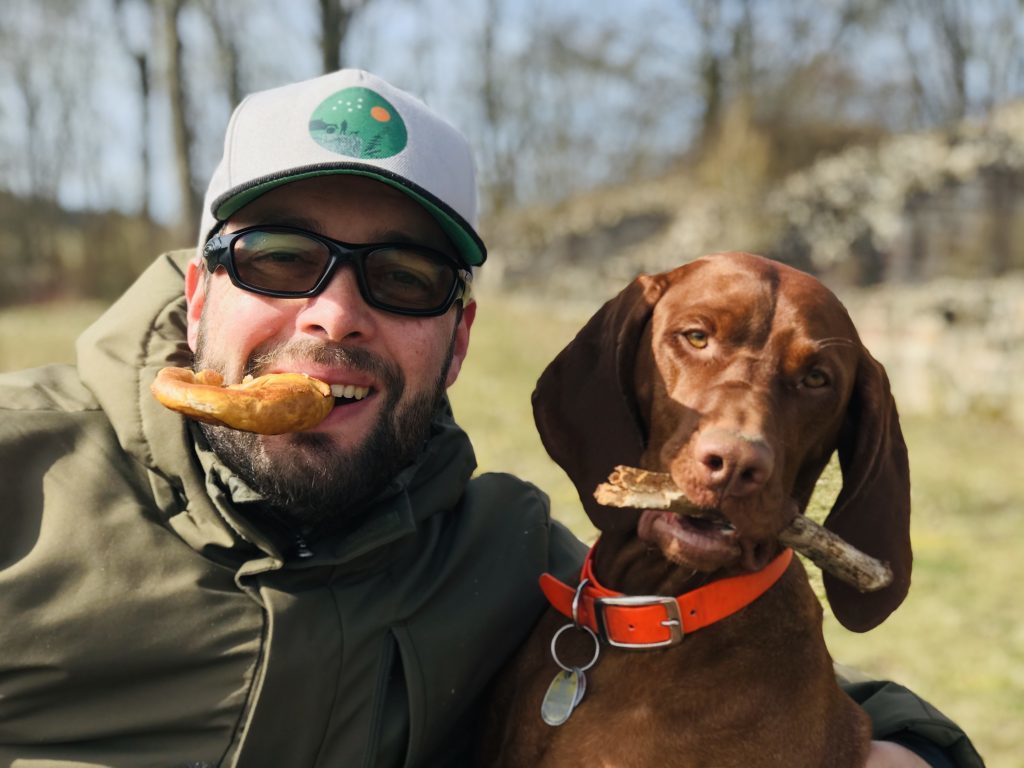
column 581, row 688
column 563, row 696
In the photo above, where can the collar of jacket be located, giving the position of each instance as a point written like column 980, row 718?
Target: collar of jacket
column 144, row 331
column 654, row 621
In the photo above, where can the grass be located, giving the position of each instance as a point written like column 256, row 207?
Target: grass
column 511, row 342
column 36, row 335
column 958, row 640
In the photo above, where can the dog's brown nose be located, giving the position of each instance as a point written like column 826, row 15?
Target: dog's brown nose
column 732, row 463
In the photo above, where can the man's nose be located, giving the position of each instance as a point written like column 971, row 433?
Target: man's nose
column 339, row 311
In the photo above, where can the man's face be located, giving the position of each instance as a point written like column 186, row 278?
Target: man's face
column 320, row 476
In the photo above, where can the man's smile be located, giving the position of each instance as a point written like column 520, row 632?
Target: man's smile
column 348, row 392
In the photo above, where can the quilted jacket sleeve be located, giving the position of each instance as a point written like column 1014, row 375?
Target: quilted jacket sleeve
column 898, row 715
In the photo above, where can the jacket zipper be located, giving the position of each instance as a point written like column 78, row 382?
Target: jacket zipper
column 302, row 550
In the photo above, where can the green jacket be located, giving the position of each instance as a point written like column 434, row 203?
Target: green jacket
column 144, row 622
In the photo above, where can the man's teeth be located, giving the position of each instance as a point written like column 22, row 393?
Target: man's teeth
column 349, row 391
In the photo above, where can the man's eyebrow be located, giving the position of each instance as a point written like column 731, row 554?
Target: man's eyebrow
column 444, row 245
column 312, row 225
column 397, row 236
column 291, row 220
column 382, row 236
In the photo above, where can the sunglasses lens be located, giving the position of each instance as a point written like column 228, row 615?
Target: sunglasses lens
column 279, row 261
column 408, row 279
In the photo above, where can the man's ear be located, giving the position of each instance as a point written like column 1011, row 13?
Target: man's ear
column 195, row 298
column 461, row 343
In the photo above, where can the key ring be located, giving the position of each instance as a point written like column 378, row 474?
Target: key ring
column 576, row 602
column 576, row 625
column 589, row 631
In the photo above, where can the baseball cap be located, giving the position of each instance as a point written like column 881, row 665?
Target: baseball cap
column 347, row 122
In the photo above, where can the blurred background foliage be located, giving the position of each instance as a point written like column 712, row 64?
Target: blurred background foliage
column 876, row 143
column 835, row 134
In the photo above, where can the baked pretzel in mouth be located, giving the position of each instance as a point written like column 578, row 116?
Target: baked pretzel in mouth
column 272, row 404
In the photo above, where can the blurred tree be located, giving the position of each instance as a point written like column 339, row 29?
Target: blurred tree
column 47, row 67
column 725, row 53
column 221, row 15
column 498, row 152
column 559, row 98
column 563, row 102
column 964, row 56
column 135, row 29
column 189, row 196
column 790, row 69
column 336, row 16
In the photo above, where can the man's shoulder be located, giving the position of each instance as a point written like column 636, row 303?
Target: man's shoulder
column 520, row 494
column 498, row 502
column 514, row 515
column 50, row 388
column 47, row 412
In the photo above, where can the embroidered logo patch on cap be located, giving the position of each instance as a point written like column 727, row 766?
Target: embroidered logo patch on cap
column 360, row 123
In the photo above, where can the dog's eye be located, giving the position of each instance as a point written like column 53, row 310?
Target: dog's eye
column 697, row 339
column 815, row 379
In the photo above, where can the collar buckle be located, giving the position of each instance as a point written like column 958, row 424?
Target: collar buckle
column 673, row 620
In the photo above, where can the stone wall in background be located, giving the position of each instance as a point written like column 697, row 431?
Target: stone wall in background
column 933, row 222
column 949, row 346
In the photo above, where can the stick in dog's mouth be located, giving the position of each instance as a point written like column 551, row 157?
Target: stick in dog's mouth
column 632, row 488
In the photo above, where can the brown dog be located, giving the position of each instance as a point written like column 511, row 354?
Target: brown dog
column 739, row 377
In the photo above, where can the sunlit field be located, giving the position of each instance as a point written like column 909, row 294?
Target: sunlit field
column 31, row 336
column 959, row 638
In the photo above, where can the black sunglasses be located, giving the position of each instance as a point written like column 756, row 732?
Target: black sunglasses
column 290, row 263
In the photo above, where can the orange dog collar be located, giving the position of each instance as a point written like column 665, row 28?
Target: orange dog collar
column 652, row 621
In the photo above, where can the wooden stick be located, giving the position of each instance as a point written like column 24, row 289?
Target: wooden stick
column 634, row 488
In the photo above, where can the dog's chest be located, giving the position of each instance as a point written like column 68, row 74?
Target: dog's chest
column 730, row 695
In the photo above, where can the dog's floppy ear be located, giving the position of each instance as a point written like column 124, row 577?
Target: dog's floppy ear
column 582, row 405
column 872, row 511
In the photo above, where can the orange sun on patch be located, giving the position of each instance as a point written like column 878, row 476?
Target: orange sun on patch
column 380, row 114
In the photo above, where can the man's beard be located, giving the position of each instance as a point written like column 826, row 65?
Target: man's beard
column 308, row 481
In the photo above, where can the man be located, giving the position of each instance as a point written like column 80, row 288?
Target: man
column 183, row 594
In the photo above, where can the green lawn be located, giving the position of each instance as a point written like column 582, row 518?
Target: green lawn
column 958, row 639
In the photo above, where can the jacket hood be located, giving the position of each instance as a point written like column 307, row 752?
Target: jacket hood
column 120, row 355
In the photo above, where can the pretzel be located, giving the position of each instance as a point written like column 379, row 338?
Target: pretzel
column 271, row 405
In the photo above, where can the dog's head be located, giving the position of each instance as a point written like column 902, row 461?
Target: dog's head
column 740, row 377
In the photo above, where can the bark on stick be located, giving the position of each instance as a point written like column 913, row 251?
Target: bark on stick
column 634, row 488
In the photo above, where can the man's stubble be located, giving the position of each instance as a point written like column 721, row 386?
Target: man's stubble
column 307, row 479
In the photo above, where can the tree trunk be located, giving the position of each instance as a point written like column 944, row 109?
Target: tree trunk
column 140, row 56
column 221, row 24
column 712, row 80
column 146, row 171
column 190, row 202
column 331, row 22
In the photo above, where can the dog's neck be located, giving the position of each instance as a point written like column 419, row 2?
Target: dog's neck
column 626, row 564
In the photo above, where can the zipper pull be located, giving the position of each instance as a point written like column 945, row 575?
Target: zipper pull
column 302, row 550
